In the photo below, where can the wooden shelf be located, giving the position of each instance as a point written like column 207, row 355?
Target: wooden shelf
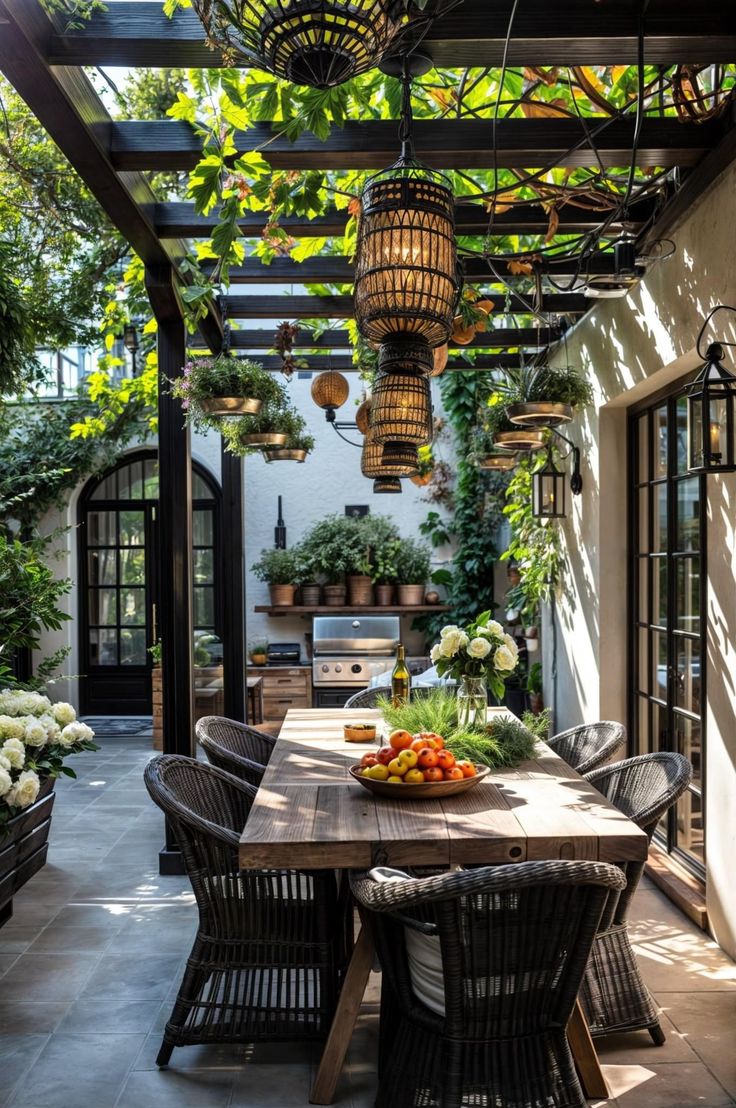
column 354, row 610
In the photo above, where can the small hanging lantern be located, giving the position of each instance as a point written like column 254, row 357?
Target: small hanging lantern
column 362, row 416
column 402, row 454
column 329, row 391
column 406, row 275
column 375, row 463
column 387, row 484
column 711, row 416
column 548, row 492
column 320, row 43
column 401, row 408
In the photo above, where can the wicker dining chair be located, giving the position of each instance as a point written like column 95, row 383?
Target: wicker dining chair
column 513, row 943
column 241, row 750
column 614, row 996
column 367, row 698
column 271, row 946
column 590, row 745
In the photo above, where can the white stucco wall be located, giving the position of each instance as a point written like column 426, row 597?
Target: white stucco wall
column 631, row 349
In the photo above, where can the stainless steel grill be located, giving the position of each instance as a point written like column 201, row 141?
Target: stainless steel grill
column 348, row 651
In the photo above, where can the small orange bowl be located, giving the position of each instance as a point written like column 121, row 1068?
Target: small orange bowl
column 360, row 732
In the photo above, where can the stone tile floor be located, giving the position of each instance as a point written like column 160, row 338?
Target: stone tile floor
column 90, row 963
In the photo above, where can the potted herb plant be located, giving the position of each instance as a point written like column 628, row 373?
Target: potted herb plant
column 384, row 570
column 262, row 431
column 281, row 570
column 210, row 388
column 331, row 549
column 298, row 443
column 413, row 562
column 258, row 652
column 543, row 395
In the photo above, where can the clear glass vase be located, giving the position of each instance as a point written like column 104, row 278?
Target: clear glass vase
column 472, row 702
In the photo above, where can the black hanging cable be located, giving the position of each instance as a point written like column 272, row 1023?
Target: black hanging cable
column 706, row 321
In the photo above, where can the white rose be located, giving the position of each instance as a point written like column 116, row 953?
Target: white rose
column 479, row 648
column 15, row 753
column 448, row 630
column 434, row 653
column 52, row 728
column 5, row 781
column 450, row 644
column 511, row 644
column 11, row 728
column 25, row 790
column 63, row 713
column 491, row 629
column 463, row 640
column 5, row 764
column 75, row 733
column 36, row 734
column 503, row 659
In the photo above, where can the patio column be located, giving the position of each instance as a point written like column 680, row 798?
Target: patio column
column 233, row 585
column 174, row 539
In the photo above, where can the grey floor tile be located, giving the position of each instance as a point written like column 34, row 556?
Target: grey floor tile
column 17, row 1054
column 109, row 1015
column 263, row 1086
column 53, row 976
column 63, row 940
column 30, row 1017
column 6, row 961
column 132, row 977
column 78, row 1071
column 173, row 1088
column 210, row 1056
column 669, row 1085
column 708, row 1022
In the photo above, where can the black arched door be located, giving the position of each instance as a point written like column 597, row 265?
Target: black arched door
column 119, row 585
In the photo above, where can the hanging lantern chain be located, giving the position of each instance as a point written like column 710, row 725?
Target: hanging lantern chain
column 406, row 137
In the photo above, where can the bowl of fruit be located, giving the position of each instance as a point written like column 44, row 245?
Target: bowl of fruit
column 416, row 767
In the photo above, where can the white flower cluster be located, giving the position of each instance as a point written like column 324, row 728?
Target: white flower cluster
column 488, row 640
column 30, row 722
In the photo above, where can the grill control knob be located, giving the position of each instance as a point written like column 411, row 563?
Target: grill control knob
column 338, row 668
column 325, row 669
column 357, row 668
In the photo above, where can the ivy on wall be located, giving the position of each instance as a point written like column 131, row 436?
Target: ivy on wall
column 534, row 544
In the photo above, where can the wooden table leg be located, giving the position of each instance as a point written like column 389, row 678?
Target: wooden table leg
column 586, row 1059
column 341, row 1032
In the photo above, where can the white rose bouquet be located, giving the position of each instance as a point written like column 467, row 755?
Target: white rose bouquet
column 479, row 650
column 35, row 738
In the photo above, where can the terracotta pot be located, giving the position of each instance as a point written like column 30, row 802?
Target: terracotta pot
column 536, row 703
column 231, row 405
column 411, row 595
column 432, row 598
column 259, row 659
column 360, row 589
column 384, row 595
column 462, row 335
column 421, row 479
column 282, row 596
column 335, row 595
column 311, row 596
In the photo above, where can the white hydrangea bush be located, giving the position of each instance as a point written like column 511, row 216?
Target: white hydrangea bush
column 479, row 650
column 36, row 736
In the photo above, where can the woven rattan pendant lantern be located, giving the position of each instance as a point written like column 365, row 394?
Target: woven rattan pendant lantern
column 401, row 408
column 363, row 415
column 406, row 276
column 320, row 43
column 387, row 484
column 374, row 463
column 330, row 390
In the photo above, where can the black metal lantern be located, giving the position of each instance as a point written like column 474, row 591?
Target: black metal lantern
column 406, row 275
column 401, row 408
column 387, row 484
column 711, row 416
column 548, row 492
column 375, row 462
column 320, row 43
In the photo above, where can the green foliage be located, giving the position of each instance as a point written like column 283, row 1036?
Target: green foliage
column 413, row 562
column 534, row 679
column 561, row 384
column 205, row 378
column 535, row 543
column 29, row 599
column 539, row 725
column 18, row 363
column 280, row 567
column 335, row 546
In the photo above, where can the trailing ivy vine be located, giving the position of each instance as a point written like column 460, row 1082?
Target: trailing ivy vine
column 535, row 543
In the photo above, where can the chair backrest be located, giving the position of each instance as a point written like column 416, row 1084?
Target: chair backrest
column 235, row 747
column 643, row 788
column 590, row 745
column 208, row 810
column 514, row 940
column 367, row 698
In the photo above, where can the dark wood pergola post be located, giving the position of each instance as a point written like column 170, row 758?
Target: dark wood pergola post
column 233, row 585
column 174, row 539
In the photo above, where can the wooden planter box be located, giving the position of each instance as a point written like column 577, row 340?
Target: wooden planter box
column 24, row 846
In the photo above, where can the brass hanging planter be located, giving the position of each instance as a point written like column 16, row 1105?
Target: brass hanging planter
column 263, row 439
column 519, row 440
column 231, row 405
column 499, row 463
column 539, row 413
column 286, row 454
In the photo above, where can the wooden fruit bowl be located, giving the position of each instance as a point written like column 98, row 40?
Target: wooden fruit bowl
column 426, row 790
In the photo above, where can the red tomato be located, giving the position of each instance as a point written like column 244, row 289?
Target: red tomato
column 385, row 754
column 468, row 768
column 426, row 757
column 434, row 773
column 445, row 759
column 454, row 774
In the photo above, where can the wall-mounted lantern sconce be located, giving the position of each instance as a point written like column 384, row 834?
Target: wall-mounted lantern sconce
column 549, row 499
column 711, row 410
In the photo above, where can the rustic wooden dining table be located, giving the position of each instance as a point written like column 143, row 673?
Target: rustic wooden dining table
column 309, row 814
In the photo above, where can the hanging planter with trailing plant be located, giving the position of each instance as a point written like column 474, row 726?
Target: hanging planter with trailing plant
column 544, row 396
column 298, row 443
column 210, row 388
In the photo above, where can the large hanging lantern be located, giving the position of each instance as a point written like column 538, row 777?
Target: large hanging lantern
column 711, row 416
column 548, row 492
column 401, row 408
column 329, row 391
column 406, row 276
column 307, row 42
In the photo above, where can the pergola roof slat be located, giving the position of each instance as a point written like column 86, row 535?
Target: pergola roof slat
column 341, row 307
column 571, row 32
column 344, row 363
column 497, row 337
column 446, row 143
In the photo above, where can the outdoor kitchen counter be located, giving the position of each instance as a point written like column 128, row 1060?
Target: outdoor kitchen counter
column 284, row 687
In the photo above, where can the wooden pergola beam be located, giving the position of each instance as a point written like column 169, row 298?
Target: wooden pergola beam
column 571, row 32
column 321, row 270
column 172, row 145
column 497, row 337
column 344, row 363
column 341, row 307
column 178, row 219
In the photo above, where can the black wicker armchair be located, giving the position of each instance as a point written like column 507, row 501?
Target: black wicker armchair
column 513, row 942
column 614, row 996
column 367, row 698
column 272, row 945
column 590, row 745
column 241, row 750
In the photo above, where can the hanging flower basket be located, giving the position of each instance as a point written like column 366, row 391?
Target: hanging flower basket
column 285, row 455
column 540, row 413
column 231, row 405
column 263, row 439
column 521, row 439
column 213, row 388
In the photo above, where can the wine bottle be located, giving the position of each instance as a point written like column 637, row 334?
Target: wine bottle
column 400, row 679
